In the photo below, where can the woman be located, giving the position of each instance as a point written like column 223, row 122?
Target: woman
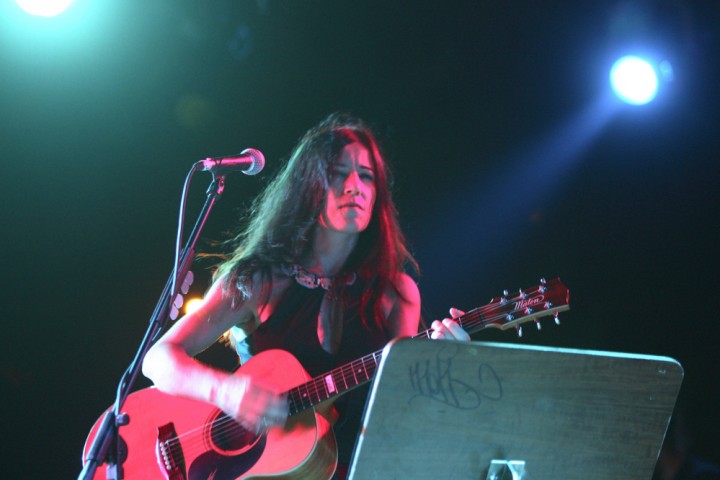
column 318, row 271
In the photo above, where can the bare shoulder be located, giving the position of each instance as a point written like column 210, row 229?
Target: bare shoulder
column 248, row 305
column 235, row 305
column 266, row 292
column 402, row 305
column 403, row 289
column 199, row 329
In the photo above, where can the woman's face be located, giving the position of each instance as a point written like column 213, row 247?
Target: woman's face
column 350, row 200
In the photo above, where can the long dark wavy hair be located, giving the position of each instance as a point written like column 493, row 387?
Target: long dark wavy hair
column 281, row 220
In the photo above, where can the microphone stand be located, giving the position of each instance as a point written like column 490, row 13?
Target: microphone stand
column 107, row 447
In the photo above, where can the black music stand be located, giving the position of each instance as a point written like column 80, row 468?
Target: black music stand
column 477, row 410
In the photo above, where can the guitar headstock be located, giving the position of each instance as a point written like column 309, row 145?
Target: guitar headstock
column 512, row 310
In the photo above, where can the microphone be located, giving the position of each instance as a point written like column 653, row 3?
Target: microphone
column 249, row 162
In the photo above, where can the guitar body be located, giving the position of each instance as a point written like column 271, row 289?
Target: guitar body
column 206, row 444
column 174, row 438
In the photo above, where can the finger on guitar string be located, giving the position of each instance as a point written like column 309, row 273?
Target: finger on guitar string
column 276, row 410
column 449, row 328
column 250, row 401
column 262, row 406
column 455, row 330
column 438, row 330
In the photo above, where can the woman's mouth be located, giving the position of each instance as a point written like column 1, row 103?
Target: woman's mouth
column 352, row 205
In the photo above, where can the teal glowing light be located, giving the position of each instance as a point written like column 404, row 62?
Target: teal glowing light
column 44, row 8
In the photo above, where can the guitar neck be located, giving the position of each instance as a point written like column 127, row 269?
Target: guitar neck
column 502, row 312
column 333, row 383
column 337, row 381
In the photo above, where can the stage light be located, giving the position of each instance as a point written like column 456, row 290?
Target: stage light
column 192, row 304
column 44, row 8
column 634, row 80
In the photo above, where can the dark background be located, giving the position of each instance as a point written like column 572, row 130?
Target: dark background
column 512, row 162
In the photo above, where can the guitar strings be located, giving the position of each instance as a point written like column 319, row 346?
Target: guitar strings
column 468, row 320
column 225, row 427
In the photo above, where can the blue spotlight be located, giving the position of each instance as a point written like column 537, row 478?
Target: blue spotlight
column 634, row 80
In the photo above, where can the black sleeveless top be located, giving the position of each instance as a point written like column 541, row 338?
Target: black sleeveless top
column 293, row 327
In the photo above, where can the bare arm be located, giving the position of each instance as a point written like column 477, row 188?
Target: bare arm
column 171, row 365
column 403, row 303
column 404, row 315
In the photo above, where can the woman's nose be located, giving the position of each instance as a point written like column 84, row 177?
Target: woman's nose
column 352, row 184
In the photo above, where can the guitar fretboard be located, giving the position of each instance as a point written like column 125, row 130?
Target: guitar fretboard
column 503, row 312
column 333, row 383
column 351, row 375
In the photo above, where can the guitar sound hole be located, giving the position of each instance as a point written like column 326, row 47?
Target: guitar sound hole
column 228, row 435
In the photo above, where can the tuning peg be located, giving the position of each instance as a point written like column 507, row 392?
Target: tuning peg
column 538, row 324
column 519, row 331
column 543, row 285
column 557, row 318
column 504, row 299
column 523, row 295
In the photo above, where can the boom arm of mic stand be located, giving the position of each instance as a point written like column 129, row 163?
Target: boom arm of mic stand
column 107, row 435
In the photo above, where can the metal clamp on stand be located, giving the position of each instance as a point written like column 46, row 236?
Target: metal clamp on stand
column 506, row 470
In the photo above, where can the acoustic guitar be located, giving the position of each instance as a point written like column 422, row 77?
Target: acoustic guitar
column 171, row 437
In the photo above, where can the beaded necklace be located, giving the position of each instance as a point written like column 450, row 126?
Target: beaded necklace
column 311, row 280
